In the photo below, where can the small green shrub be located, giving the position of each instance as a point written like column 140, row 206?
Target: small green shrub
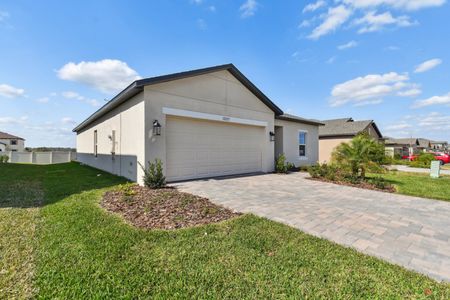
column 128, row 191
column 281, row 166
column 397, row 156
column 314, row 171
column 4, row 159
column 153, row 175
column 423, row 160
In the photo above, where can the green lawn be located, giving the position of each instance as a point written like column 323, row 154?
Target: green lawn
column 420, row 185
column 60, row 244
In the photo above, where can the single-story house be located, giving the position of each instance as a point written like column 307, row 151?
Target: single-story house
column 439, row 145
column 12, row 142
column 201, row 123
column 407, row 146
column 338, row 131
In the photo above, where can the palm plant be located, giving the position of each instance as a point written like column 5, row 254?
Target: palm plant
column 359, row 155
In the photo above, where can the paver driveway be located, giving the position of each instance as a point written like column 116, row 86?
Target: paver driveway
column 409, row 231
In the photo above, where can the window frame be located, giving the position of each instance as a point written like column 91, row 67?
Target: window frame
column 95, row 143
column 305, row 132
column 13, row 142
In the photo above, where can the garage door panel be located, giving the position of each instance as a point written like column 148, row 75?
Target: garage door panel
column 198, row 148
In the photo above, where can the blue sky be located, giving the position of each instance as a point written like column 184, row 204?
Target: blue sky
column 368, row 59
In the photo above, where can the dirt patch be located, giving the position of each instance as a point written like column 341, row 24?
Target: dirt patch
column 165, row 208
column 362, row 185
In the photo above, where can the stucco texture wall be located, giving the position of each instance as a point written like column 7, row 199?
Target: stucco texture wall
column 218, row 93
column 290, row 141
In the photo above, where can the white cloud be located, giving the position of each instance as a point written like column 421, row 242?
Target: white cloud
column 398, row 4
column 9, row 91
column 68, row 121
column 435, row 100
column 413, row 92
column 201, row 24
column 335, row 17
column 43, row 100
column 4, row 15
column 434, row 121
column 107, row 75
column 248, row 8
column 331, row 60
column 348, row 45
column 76, row 96
column 369, row 89
column 399, row 126
column 198, row 2
column 212, row 8
column 372, row 21
column 428, row 65
column 13, row 121
column 314, row 6
column 304, row 23
column 392, row 48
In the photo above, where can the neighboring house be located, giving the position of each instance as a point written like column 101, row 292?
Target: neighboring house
column 2, row 147
column 439, row 145
column 407, row 146
column 12, row 142
column 338, row 131
column 201, row 123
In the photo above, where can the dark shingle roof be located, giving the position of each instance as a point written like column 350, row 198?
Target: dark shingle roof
column 4, row 135
column 345, row 127
column 138, row 86
column 421, row 142
column 292, row 118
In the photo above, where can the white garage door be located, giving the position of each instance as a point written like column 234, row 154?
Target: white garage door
column 198, row 148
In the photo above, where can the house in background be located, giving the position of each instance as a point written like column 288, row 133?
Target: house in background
column 12, row 142
column 202, row 123
column 2, row 147
column 439, row 146
column 410, row 146
column 338, row 131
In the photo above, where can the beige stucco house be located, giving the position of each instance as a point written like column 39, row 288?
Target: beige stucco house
column 201, row 123
column 338, row 131
column 11, row 142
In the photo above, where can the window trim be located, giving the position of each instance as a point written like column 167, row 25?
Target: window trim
column 95, row 143
column 305, row 144
column 13, row 142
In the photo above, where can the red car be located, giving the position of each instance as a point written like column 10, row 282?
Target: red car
column 442, row 157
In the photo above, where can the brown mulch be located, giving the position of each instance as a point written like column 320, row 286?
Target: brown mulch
column 165, row 208
column 362, row 185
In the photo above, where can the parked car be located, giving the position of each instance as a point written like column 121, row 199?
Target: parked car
column 442, row 157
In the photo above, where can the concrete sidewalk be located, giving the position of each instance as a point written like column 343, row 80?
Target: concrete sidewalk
column 403, row 168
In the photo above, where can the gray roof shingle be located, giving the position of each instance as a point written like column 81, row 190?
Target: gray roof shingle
column 344, row 127
column 288, row 117
column 4, row 135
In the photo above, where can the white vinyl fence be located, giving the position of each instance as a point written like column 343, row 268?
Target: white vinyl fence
column 40, row 158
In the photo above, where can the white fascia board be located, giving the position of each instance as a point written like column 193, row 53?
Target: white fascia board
column 211, row 117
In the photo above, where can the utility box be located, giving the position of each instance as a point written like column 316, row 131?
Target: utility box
column 435, row 169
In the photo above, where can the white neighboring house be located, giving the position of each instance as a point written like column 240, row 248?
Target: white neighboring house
column 202, row 123
column 12, row 142
column 2, row 147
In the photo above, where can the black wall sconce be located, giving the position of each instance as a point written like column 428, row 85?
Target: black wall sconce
column 272, row 136
column 156, row 128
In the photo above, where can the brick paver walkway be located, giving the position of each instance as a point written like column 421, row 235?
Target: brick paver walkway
column 409, row 231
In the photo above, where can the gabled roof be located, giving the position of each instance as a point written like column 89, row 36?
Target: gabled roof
column 138, row 86
column 292, row 118
column 345, row 127
column 420, row 142
column 4, row 135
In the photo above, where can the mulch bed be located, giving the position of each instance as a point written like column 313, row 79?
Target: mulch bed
column 362, row 185
column 165, row 208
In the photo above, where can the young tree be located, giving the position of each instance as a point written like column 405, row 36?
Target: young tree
column 360, row 154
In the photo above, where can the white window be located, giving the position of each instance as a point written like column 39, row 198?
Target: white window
column 95, row 143
column 302, row 143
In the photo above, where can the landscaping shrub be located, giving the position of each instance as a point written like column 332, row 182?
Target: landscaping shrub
column 423, row 161
column 281, row 166
column 361, row 154
column 379, row 182
column 4, row 159
column 397, row 156
column 153, row 175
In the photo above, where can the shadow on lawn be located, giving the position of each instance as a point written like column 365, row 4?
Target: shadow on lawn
column 26, row 186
